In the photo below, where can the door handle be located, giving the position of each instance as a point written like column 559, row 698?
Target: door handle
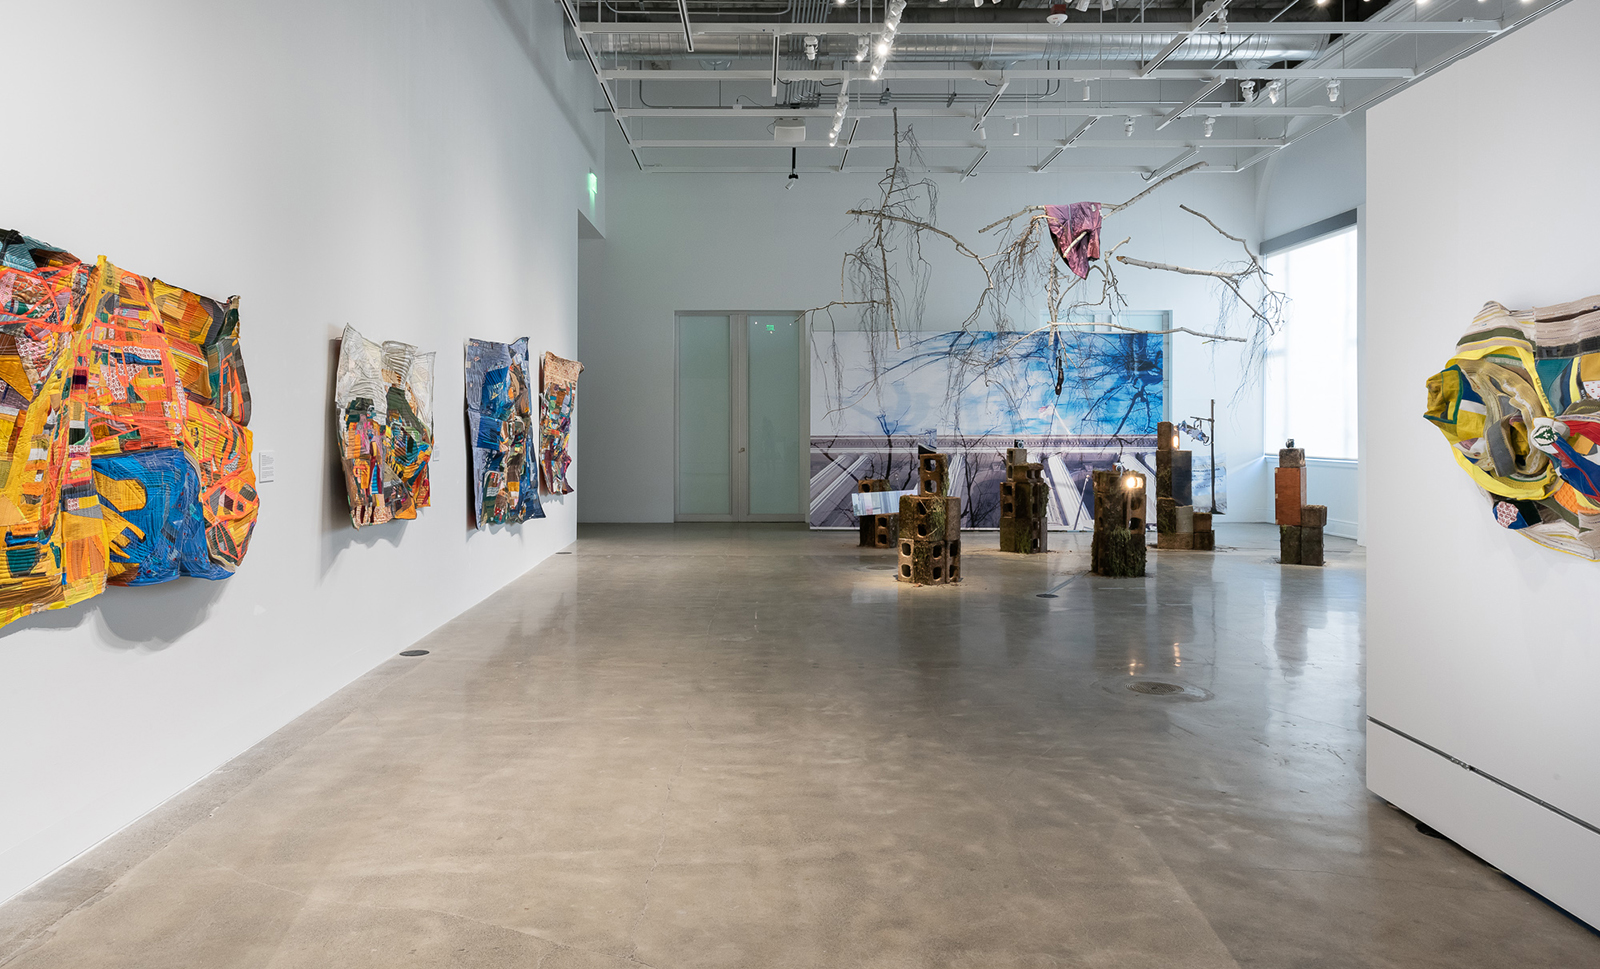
column 741, row 450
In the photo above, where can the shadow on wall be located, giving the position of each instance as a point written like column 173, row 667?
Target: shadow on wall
column 522, row 31
column 151, row 616
column 338, row 533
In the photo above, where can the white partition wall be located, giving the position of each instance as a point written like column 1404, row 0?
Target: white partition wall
column 1483, row 656
column 410, row 167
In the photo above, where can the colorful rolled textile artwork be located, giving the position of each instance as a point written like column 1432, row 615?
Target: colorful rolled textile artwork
column 500, row 423
column 123, row 405
column 1520, row 405
column 556, row 404
column 383, row 396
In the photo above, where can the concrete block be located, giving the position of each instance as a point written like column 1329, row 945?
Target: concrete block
column 1289, row 544
column 1315, row 516
column 1174, row 541
column 1183, row 477
column 1205, row 541
column 933, row 471
column 1202, row 522
column 1166, row 516
column 1289, row 490
column 1291, row 457
column 1310, row 545
column 929, row 562
column 929, row 518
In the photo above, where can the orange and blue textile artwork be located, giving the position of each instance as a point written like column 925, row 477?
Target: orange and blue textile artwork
column 123, row 405
column 1519, row 403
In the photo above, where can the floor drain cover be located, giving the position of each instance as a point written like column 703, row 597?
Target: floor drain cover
column 414, row 652
column 1154, row 688
column 1047, row 595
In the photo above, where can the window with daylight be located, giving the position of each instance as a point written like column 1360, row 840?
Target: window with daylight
column 1310, row 376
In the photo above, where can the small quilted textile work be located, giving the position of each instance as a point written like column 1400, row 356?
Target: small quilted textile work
column 556, row 406
column 383, row 399
column 1075, row 229
column 505, row 489
column 1520, row 405
column 123, row 405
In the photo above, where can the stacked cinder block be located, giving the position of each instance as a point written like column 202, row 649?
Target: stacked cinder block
column 932, row 470
column 1024, row 505
column 1299, row 525
column 930, row 540
column 1118, row 544
column 877, row 531
column 1178, row 525
column 930, row 527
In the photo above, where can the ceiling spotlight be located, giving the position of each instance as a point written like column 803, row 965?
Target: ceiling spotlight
column 1247, row 91
column 1127, row 126
column 1058, row 14
column 1016, row 128
column 811, row 48
column 1082, row 5
column 863, row 44
column 1085, row 90
column 885, row 96
column 883, row 48
column 1274, row 91
column 1108, row 4
column 983, row 133
column 1333, row 89
column 1211, row 122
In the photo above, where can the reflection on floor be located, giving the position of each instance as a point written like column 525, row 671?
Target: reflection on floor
column 707, row 745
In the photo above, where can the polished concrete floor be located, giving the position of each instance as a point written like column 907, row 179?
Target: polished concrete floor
column 747, row 746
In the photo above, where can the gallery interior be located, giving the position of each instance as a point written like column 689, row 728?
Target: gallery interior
column 860, row 483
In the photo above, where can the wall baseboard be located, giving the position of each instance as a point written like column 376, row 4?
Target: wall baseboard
column 1527, row 839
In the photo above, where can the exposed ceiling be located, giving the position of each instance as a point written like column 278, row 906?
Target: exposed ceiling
column 1120, row 86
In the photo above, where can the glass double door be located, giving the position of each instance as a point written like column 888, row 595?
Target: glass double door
column 743, row 421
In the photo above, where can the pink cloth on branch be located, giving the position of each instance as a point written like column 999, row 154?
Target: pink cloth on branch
column 1068, row 223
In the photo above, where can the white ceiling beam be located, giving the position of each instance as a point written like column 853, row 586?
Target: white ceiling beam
column 1205, row 92
column 1210, row 11
column 877, row 170
column 1042, row 30
column 998, row 142
column 1037, row 111
column 1042, row 74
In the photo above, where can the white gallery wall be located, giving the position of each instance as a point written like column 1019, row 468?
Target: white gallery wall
column 743, row 242
column 1481, row 645
column 413, row 168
